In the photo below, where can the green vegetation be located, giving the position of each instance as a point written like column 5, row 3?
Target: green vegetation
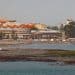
column 70, row 29
column 56, row 53
column 61, row 53
column 53, row 27
column 1, row 35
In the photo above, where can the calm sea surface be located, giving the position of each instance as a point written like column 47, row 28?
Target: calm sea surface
column 68, row 46
column 35, row 68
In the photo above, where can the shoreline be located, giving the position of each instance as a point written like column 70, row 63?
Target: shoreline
column 40, row 55
column 30, row 41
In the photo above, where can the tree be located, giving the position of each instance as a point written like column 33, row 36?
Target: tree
column 70, row 29
column 2, row 35
column 55, row 28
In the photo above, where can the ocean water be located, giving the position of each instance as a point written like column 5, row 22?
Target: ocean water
column 35, row 68
column 68, row 46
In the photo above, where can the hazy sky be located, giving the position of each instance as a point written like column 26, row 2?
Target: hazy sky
column 50, row 12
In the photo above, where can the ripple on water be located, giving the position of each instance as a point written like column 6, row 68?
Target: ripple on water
column 43, row 46
column 35, row 68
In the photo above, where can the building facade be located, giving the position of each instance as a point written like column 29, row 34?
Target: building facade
column 46, row 35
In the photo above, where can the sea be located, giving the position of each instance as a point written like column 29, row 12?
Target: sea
column 62, row 46
column 37, row 68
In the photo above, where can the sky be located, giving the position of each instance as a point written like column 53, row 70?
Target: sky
column 50, row 12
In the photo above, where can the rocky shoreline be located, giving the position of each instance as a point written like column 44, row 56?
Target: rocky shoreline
column 41, row 55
